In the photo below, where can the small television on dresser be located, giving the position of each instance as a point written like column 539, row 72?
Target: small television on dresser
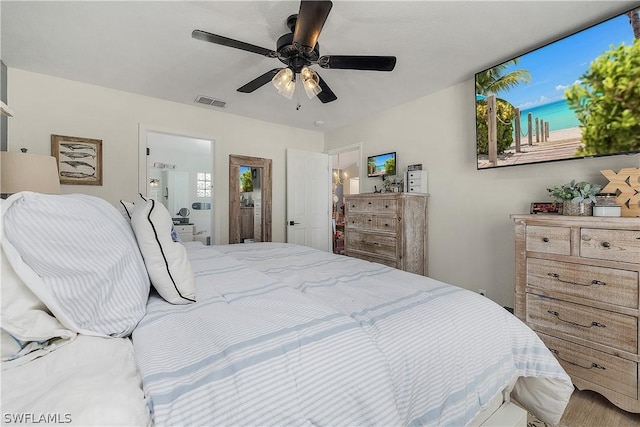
column 381, row 164
column 573, row 98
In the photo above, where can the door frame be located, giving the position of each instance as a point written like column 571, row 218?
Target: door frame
column 143, row 130
column 235, row 161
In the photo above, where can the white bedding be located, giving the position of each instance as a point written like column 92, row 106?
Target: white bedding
column 286, row 335
column 90, row 381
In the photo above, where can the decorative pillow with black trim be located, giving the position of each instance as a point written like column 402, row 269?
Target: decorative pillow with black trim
column 127, row 208
column 166, row 261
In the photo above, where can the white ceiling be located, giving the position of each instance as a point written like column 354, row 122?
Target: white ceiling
column 146, row 47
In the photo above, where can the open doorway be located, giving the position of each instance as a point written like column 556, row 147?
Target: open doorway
column 345, row 179
column 179, row 174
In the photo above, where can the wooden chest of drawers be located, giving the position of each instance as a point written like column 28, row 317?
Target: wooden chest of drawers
column 388, row 228
column 577, row 286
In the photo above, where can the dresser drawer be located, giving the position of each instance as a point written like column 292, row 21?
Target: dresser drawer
column 360, row 222
column 619, row 287
column 614, row 245
column 373, row 223
column 600, row 368
column 605, row 327
column 372, row 205
column 185, row 232
column 368, row 257
column 388, row 224
column 375, row 244
column 550, row 240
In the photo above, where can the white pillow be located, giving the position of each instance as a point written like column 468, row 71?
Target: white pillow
column 78, row 255
column 127, row 208
column 166, row 260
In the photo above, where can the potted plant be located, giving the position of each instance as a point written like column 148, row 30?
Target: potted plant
column 577, row 197
column 392, row 184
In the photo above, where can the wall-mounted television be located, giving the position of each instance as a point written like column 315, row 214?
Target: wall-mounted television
column 563, row 101
column 381, row 164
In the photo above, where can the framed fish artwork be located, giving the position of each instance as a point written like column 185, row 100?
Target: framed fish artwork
column 79, row 159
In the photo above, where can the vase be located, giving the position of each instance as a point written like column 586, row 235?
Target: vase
column 577, row 209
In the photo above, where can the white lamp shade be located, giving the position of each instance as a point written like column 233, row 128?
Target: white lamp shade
column 28, row 172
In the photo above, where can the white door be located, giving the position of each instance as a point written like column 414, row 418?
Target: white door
column 308, row 195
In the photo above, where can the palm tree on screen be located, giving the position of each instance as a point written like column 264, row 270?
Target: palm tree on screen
column 495, row 80
column 634, row 20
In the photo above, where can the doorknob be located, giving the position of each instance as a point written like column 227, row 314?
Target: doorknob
column 293, row 223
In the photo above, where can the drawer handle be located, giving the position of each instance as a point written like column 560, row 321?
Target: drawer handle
column 369, row 220
column 593, row 365
column 606, row 244
column 545, row 239
column 368, row 203
column 386, row 206
column 555, row 313
column 593, row 282
column 386, row 225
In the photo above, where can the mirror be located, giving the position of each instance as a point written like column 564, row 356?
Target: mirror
column 175, row 190
column 249, row 199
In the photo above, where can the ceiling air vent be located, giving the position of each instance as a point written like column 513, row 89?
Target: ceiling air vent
column 207, row 100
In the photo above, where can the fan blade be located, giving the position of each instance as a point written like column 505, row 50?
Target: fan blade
column 327, row 94
column 358, row 62
column 225, row 41
column 311, row 19
column 259, row 81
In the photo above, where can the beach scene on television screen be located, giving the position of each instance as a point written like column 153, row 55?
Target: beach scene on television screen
column 576, row 97
column 383, row 164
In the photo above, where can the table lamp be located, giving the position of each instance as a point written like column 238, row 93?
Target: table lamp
column 28, row 172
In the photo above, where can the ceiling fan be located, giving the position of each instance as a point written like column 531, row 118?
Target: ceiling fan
column 299, row 50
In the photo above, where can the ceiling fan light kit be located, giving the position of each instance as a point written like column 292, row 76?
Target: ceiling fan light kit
column 299, row 50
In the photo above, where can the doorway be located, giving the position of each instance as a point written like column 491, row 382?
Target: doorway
column 179, row 175
column 249, row 199
column 345, row 179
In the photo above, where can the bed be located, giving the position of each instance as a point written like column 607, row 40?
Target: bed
column 274, row 333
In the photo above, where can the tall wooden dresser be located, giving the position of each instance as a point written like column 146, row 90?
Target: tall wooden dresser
column 577, row 281
column 388, row 228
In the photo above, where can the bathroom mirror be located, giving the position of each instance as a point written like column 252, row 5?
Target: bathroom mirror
column 249, row 199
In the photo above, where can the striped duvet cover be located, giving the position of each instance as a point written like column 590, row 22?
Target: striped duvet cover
column 288, row 335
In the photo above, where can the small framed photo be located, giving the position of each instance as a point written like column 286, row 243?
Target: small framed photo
column 546, row 208
column 79, row 159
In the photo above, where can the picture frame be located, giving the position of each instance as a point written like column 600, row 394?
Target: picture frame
column 549, row 208
column 79, row 159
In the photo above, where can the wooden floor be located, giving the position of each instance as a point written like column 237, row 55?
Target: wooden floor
column 589, row 409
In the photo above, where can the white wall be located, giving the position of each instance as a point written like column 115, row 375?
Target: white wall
column 45, row 105
column 470, row 232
